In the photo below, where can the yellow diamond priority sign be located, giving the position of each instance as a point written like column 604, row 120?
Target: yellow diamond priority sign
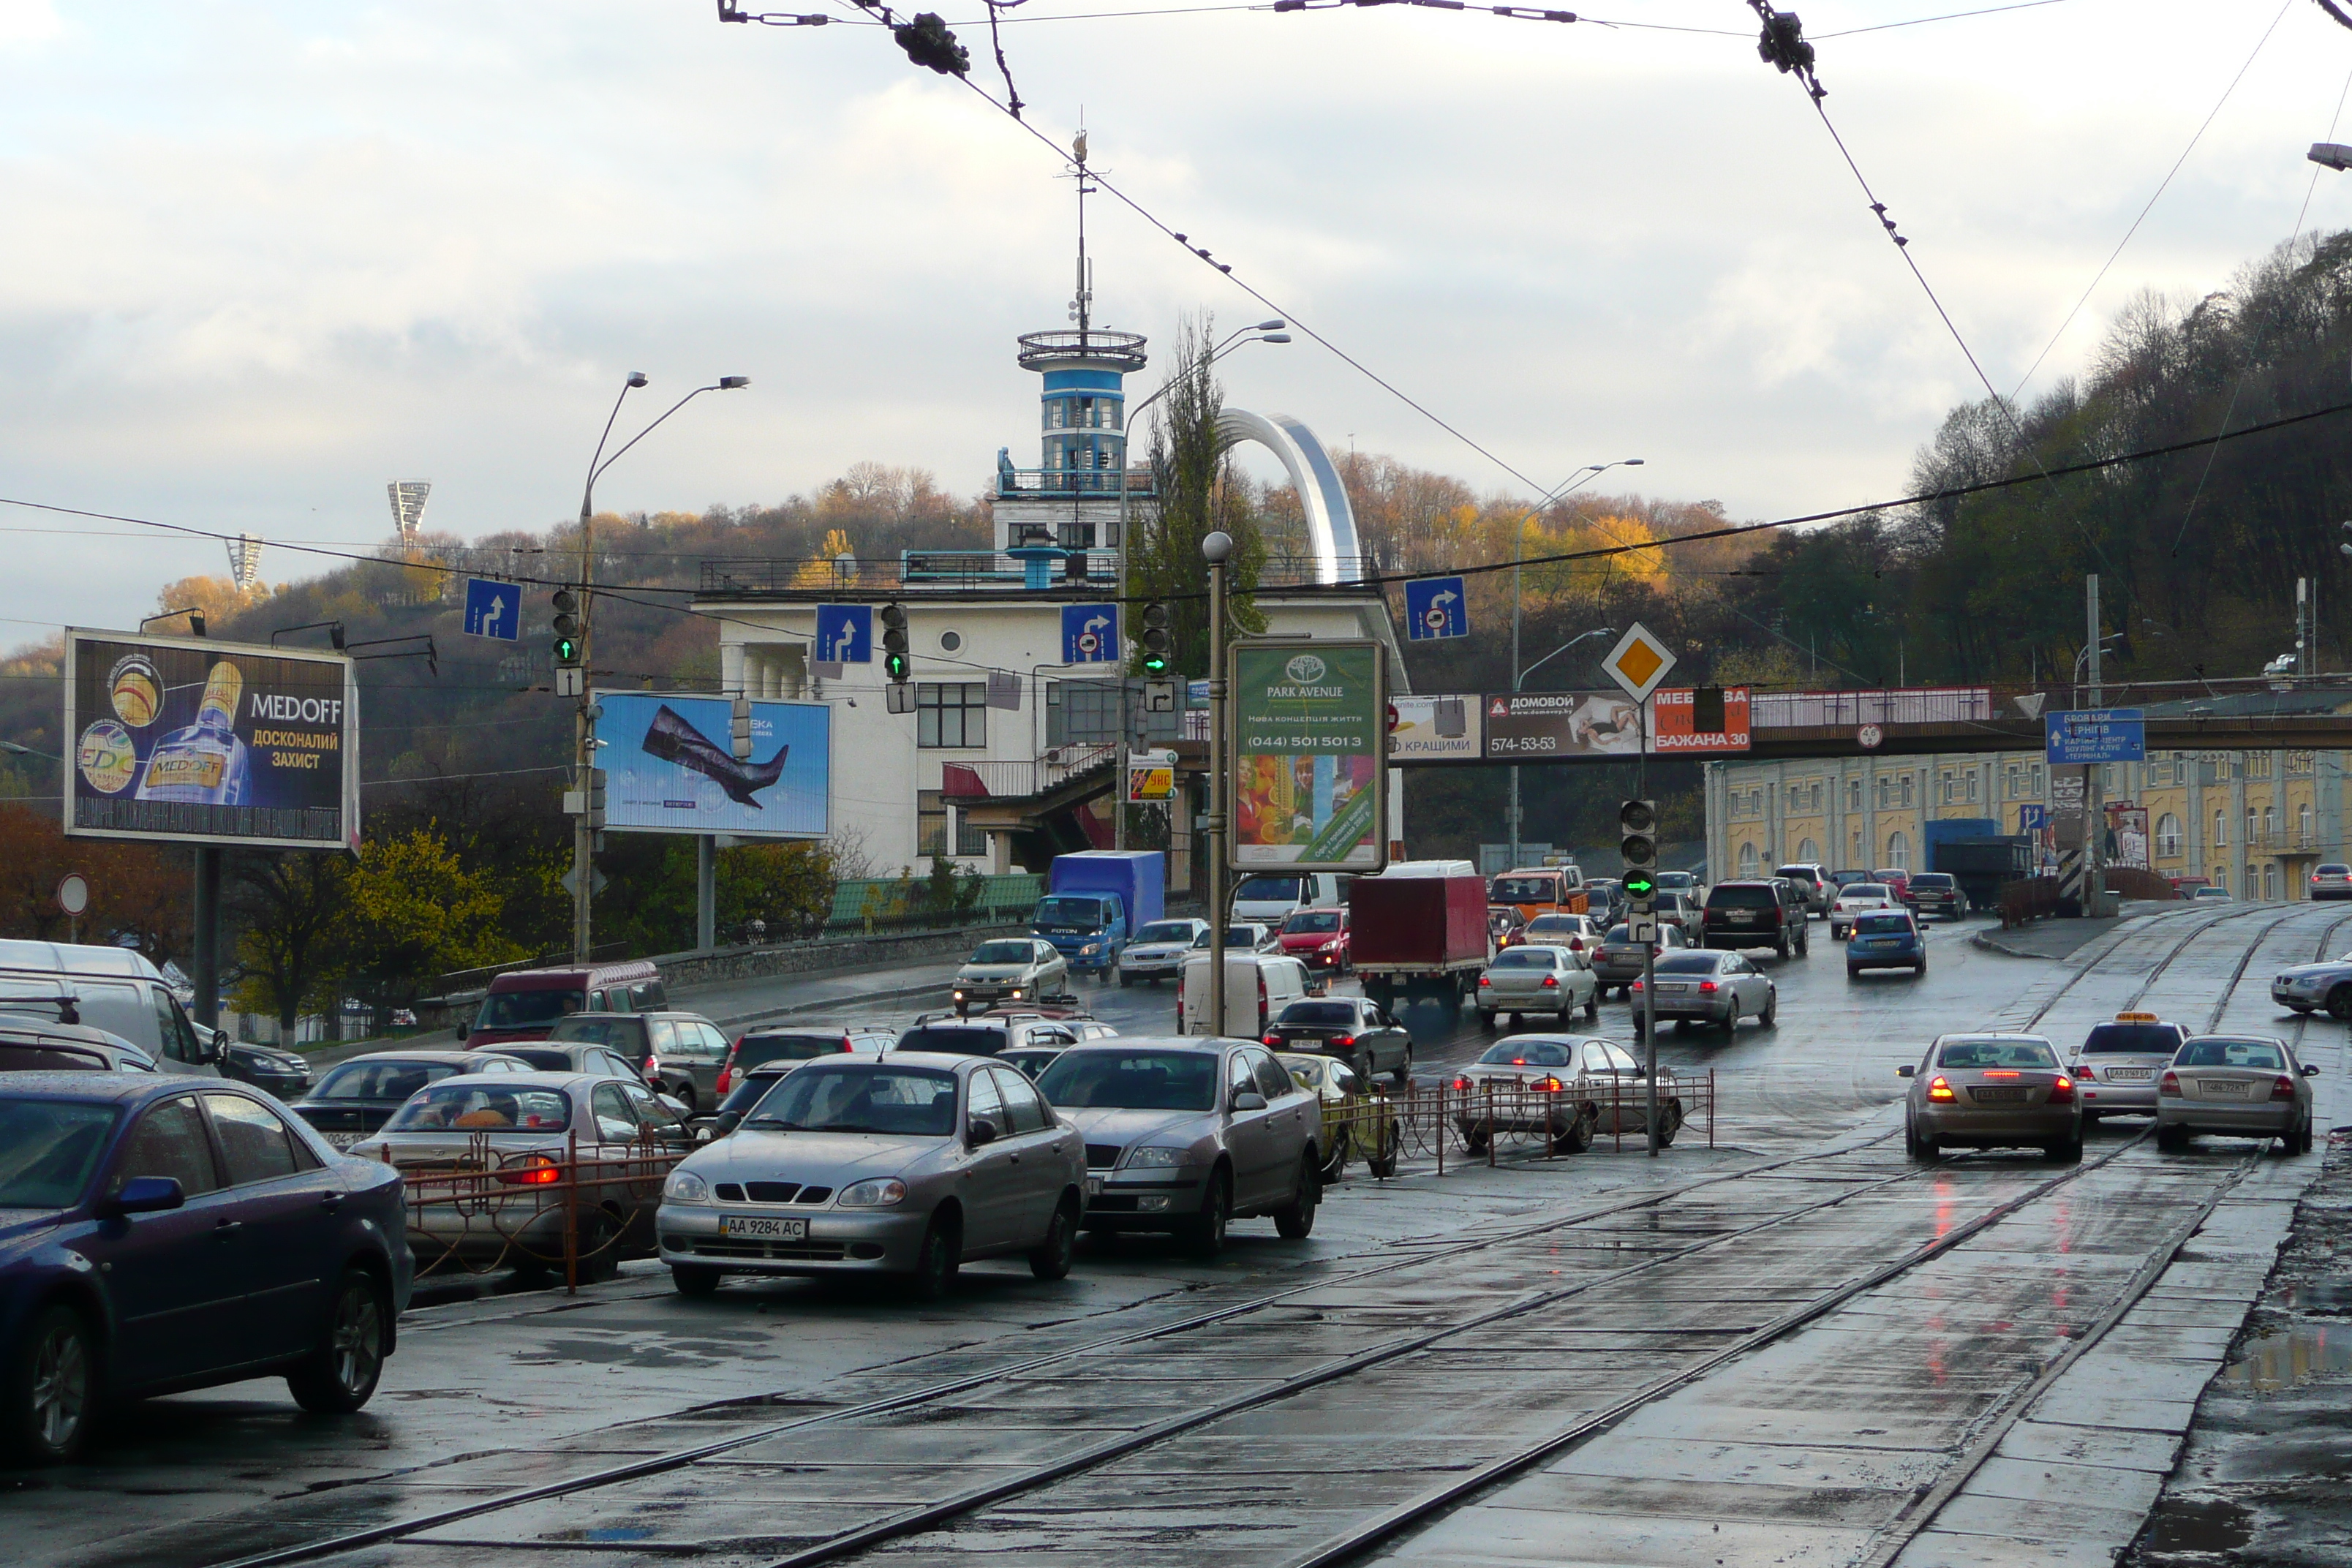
column 1638, row 663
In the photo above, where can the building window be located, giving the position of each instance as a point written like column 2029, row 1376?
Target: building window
column 1886, row 792
column 969, row 840
column 2035, row 773
column 2221, row 878
column 1972, row 786
column 1853, row 797
column 2270, row 824
column 2220, row 829
column 930, row 824
column 1084, row 712
column 2258, row 765
column 1858, row 846
column 1948, row 786
column 1906, row 789
column 2303, row 826
column 2167, row 837
column 1898, row 851
column 950, row 714
column 1813, row 795
column 2270, row 880
column 1808, row 850
column 1748, row 862
column 2250, row 827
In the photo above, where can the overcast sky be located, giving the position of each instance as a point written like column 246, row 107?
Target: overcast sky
column 261, row 257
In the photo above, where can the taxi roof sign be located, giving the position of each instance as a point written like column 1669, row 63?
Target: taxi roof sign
column 1639, row 663
column 2137, row 1018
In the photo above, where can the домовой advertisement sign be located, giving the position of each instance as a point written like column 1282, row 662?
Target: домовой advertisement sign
column 670, row 766
column 199, row 742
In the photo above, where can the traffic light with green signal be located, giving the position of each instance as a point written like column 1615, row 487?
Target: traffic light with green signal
column 567, row 626
column 895, row 663
column 1637, row 828
column 1158, row 646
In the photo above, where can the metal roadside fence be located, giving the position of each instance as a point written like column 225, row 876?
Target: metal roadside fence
column 1480, row 1120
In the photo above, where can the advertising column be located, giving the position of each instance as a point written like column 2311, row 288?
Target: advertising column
column 1310, row 726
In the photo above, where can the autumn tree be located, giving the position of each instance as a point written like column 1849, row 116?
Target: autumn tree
column 416, row 912
column 292, row 906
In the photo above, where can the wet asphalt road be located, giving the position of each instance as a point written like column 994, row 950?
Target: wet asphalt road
column 1774, row 1398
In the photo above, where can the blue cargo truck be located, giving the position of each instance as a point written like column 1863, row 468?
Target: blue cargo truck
column 1096, row 900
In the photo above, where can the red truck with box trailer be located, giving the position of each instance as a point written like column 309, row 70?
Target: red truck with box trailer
column 1418, row 931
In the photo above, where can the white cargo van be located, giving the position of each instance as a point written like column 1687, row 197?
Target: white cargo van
column 1259, row 986
column 1274, row 897
column 113, row 989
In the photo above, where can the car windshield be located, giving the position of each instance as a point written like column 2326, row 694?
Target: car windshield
column 750, row 1088
column 1131, row 1080
column 1235, row 936
column 1555, row 925
column 1267, row 889
column 528, row 1010
column 601, row 1030
column 1318, row 1015
column 1689, row 963
column 1526, row 889
column 1738, row 897
column 1883, row 925
column 1063, row 911
column 1031, row 1062
column 1935, row 879
column 48, row 1150
column 1862, row 890
column 472, row 1107
column 52, row 1056
column 906, row 1102
column 753, row 1049
column 1002, row 952
column 1527, row 1053
column 2262, row 1056
column 1313, row 920
column 1997, row 1054
column 1526, row 957
column 1166, row 931
column 2143, row 1039
column 382, row 1079
column 1675, row 880
column 1619, row 933
column 954, row 1039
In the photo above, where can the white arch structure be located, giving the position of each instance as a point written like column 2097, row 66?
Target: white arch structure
column 1330, row 521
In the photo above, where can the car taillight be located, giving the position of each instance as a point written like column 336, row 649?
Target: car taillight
column 1273, row 1039
column 2062, row 1092
column 538, row 1170
column 1637, row 986
column 1706, row 984
column 1939, row 1089
column 2170, row 1084
column 1551, row 982
column 1546, row 1086
column 1343, row 1039
column 2283, row 1088
column 1575, row 945
column 1484, row 981
column 1462, row 1083
column 726, row 1076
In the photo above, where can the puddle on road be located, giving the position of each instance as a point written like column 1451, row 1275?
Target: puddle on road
column 2329, row 1298
column 2284, row 1357
column 2195, row 1532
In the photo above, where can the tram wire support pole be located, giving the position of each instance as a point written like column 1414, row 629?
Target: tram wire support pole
column 1215, row 549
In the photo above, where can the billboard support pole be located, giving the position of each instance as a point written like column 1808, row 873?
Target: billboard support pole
column 706, row 892
column 204, row 960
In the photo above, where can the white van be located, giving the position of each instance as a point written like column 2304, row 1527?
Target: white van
column 1274, row 897
column 113, row 989
column 1259, row 986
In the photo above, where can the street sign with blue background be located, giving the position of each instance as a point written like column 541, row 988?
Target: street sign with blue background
column 493, row 609
column 2094, row 735
column 845, row 634
column 1089, row 634
column 1434, row 607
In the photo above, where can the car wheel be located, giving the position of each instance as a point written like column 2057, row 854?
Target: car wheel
column 1205, row 1232
column 1781, row 947
column 2068, row 1153
column 1853, row 971
column 1485, row 1018
column 1770, row 1016
column 599, row 1248
column 1404, row 1074
column 1731, row 1025
column 2172, row 1140
column 1576, row 1136
column 1335, row 1168
column 1125, row 979
column 2339, row 1003
column 2090, row 1119
column 1670, row 1122
column 1593, row 1006
column 341, row 1372
column 695, row 1279
column 1054, row 1255
column 1475, row 1138
column 1919, row 970
column 52, row 1389
column 935, row 1265
column 1295, row 1221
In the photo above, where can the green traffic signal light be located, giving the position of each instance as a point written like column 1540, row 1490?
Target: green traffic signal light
column 1640, row 885
column 1155, row 663
column 895, row 666
column 567, row 651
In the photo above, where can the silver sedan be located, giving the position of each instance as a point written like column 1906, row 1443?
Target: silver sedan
column 1536, row 977
column 908, row 1165
column 2308, row 987
column 1010, row 969
column 1570, row 1087
column 2236, row 1086
column 1188, row 1134
column 1991, row 1092
column 1705, row 986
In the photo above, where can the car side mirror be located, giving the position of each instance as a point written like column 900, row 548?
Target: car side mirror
column 726, row 1121
column 1905, row 1071
column 145, row 1194
column 982, row 1131
column 1249, row 1099
column 2309, row 1070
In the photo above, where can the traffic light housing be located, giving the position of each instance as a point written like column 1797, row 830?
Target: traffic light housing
column 1158, row 646
column 895, row 662
column 567, row 626
column 1637, row 829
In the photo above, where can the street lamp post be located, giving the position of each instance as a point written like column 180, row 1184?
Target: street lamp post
column 583, row 826
column 1267, row 332
column 1582, row 477
column 1215, row 549
column 1516, row 681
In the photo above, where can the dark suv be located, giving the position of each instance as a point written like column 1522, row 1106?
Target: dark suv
column 1757, row 912
column 1938, row 893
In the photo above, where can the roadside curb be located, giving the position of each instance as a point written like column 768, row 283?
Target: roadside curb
column 1985, row 940
column 834, row 1004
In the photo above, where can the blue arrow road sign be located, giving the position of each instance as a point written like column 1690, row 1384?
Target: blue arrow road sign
column 1089, row 634
column 2094, row 735
column 493, row 609
column 1434, row 607
column 845, row 634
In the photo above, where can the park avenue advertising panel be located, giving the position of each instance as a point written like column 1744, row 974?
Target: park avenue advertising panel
column 1309, row 726
column 196, row 741
column 670, row 766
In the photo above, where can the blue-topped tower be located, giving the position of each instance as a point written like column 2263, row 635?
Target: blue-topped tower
column 1072, row 495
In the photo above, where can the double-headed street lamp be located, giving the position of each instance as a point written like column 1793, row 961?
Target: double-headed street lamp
column 1518, row 679
column 583, row 828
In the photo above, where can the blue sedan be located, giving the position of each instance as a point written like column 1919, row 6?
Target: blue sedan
column 160, row 1233
column 1888, row 940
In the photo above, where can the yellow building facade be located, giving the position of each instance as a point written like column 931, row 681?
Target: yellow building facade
column 2253, row 822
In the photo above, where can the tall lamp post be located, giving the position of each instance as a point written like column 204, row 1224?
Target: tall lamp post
column 1264, row 332
column 1215, row 549
column 1517, row 680
column 583, row 826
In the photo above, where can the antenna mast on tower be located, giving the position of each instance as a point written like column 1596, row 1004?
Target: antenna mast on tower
column 1082, row 306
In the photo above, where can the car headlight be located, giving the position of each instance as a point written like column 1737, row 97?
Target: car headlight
column 878, row 1192
column 1016, row 994
column 1155, row 1158
column 1331, row 946
column 686, row 1187
column 1091, row 948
